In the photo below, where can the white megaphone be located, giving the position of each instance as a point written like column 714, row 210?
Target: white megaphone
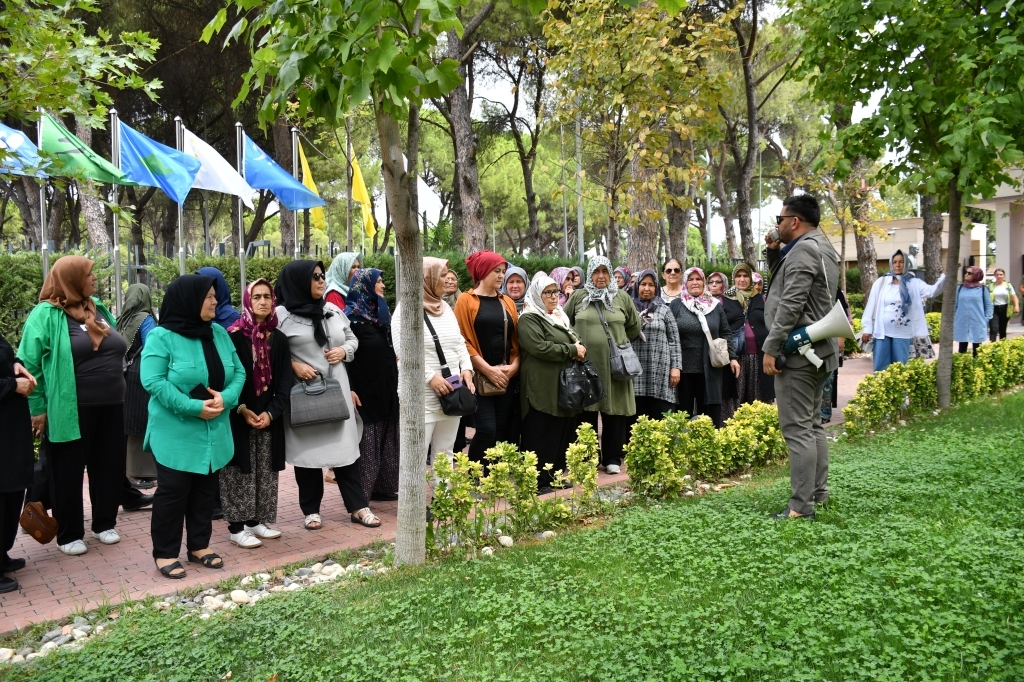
column 833, row 325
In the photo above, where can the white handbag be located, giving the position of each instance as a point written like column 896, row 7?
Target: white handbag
column 718, row 349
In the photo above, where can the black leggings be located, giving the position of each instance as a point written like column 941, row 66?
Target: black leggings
column 691, row 398
column 963, row 348
column 998, row 328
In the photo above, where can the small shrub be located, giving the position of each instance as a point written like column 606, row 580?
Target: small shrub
column 934, row 321
column 652, row 471
column 453, row 501
column 707, row 461
column 581, row 469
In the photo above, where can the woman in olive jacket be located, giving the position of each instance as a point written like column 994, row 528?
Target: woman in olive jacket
column 547, row 345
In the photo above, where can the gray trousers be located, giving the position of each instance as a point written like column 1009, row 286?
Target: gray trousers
column 798, row 393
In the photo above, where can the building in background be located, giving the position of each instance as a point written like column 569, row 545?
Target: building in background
column 1008, row 205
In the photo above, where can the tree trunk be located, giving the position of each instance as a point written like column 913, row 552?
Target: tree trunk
column 944, row 366
column 842, row 255
column 678, row 218
column 410, row 542
column 467, row 177
column 93, row 212
column 643, row 237
column 932, row 238
column 613, row 207
column 25, row 193
column 859, row 207
column 724, row 208
column 283, row 156
column 745, row 163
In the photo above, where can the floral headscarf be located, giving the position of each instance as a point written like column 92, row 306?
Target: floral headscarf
column 535, row 303
column 698, row 305
column 606, row 295
column 259, row 334
column 734, row 293
column 559, row 275
column 626, row 274
column 363, row 304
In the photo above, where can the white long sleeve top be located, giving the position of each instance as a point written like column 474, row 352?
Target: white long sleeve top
column 883, row 316
column 452, row 344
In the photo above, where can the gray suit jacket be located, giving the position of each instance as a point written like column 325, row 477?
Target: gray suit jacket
column 800, row 292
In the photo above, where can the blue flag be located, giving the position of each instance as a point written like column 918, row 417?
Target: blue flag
column 18, row 155
column 261, row 172
column 150, row 163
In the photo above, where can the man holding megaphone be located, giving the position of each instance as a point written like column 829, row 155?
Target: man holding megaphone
column 801, row 350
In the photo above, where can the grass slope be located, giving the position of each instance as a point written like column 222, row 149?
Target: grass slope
column 915, row 573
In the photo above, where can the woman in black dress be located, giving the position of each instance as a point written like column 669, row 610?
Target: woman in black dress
column 16, row 425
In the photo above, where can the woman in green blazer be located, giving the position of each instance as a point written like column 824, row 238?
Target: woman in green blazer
column 618, row 406
column 189, row 436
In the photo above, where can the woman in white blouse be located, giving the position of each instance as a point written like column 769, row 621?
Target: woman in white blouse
column 894, row 313
column 441, row 429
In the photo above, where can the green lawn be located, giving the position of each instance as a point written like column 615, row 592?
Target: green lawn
column 915, row 573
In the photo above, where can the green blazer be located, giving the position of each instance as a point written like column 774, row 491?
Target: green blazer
column 171, row 366
column 544, row 350
column 46, row 351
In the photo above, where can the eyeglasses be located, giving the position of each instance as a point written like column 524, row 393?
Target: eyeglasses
column 550, row 294
column 780, row 218
column 715, row 281
column 319, row 276
column 672, row 271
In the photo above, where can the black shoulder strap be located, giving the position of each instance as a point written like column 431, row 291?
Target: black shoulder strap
column 445, row 372
column 674, row 306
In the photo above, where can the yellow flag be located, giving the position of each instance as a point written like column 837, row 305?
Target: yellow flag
column 317, row 214
column 360, row 194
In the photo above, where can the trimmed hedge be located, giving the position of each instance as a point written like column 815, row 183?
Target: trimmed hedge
column 900, row 391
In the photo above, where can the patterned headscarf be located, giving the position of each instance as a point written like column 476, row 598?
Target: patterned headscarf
column 259, row 334
column 337, row 274
column 626, row 274
column 558, row 275
column 535, row 304
column 606, row 295
column 734, row 293
column 646, row 308
column 363, row 303
column 974, row 277
column 904, row 278
column 702, row 304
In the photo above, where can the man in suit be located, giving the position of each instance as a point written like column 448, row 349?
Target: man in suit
column 804, row 273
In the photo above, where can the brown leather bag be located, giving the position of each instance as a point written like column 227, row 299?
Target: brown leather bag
column 484, row 386
column 37, row 523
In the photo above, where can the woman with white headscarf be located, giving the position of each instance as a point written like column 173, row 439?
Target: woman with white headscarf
column 600, row 297
column 547, row 344
column 339, row 277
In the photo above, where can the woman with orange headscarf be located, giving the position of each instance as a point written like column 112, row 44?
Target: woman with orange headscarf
column 70, row 345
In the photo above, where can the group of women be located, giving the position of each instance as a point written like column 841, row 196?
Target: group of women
column 198, row 397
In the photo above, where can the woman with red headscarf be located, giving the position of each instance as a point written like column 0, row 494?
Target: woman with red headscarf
column 488, row 320
column 973, row 310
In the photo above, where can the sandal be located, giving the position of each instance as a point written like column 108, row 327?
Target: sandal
column 168, row 570
column 313, row 522
column 366, row 518
column 206, row 560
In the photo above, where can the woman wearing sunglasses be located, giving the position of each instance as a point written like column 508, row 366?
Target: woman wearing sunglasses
column 672, row 271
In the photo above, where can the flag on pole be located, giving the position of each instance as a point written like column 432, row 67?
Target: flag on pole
column 76, row 157
column 360, row 194
column 215, row 173
column 262, row 172
column 147, row 162
column 19, row 155
column 317, row 214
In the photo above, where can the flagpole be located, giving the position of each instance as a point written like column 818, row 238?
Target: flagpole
column 579, row 192
column 240, row 154
column 348, row 184
column 295, row 174
column 179, row 140
column 115, row 158
column 44, row 249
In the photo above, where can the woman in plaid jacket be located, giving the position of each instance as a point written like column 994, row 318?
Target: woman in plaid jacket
column 658, row 349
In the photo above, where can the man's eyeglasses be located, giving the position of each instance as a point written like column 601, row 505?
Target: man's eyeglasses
column 673, row 271
column 319, row 276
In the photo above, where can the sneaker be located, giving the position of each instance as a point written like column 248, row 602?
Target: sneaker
column 74, row 548
column 612, row 469
column 262, row 531
column 108, row 537
column 245, row 540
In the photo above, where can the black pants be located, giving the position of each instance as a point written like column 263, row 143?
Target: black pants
column 492, row 418
column 311, row 488
column 101, row 449
column 997, row 330
column 653, row 408
column 963, row 348
column 614, row 434
column 10, row 512
column 691, row 398
column 549, row 437
column 182, row 496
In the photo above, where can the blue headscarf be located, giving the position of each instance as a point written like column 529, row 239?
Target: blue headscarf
column 904, row 278
column 362, row 303
column 226, row 314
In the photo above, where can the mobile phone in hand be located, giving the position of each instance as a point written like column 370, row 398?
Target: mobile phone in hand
column 455, row 381
column 199, row 392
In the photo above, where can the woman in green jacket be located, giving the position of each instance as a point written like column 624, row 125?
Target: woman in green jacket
column 194, row 377
column 69, row 344
column 547, row 345
column 600, row 293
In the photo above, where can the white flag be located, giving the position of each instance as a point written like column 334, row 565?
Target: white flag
column 215, row 173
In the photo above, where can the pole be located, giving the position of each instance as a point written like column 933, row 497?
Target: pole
column 206, row 222
column 579, row 192
column 115, row 158
column 44, row 246
column 179, row 136
column 760, row 199
column 295, row 174
column 348, row 185
column 707, row 211
column 240, row 164
column 565, row 209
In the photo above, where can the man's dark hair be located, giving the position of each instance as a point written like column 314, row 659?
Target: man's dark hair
column 805, row 206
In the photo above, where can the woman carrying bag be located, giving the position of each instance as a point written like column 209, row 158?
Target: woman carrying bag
column 137, row 320
column 973, row 311
column 658, row 349
column 549, row 345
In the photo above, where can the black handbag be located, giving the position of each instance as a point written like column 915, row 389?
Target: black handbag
column 621, row 357
column 461, row 401
column 579, row 386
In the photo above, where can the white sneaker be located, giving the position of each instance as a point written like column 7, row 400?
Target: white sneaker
column 612, row 469
column 262, row 531
column 245, row 540
column 74, row 548
column 108, row 537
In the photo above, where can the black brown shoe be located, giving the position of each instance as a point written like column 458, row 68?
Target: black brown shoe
column 785, row 515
